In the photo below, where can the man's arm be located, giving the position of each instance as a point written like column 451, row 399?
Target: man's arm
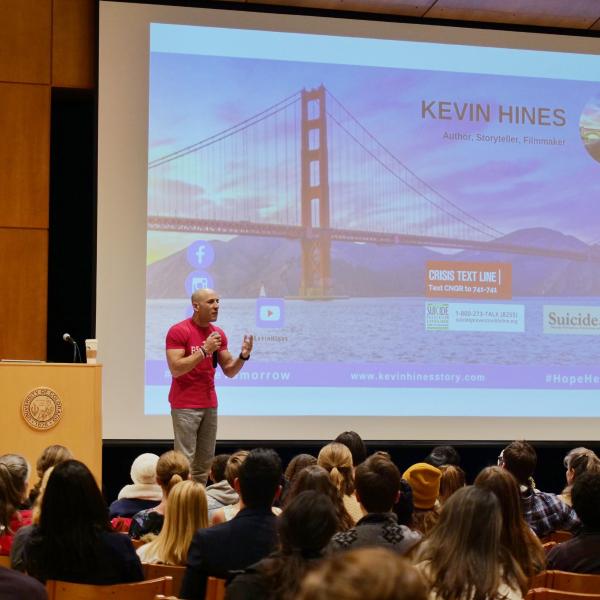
column 180, row 364
column 232, row 366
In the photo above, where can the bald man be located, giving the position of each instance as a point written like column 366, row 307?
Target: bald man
column 194, row 346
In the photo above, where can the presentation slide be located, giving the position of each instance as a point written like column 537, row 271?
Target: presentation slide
column 392, row 220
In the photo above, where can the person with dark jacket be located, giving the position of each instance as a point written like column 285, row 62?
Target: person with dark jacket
column 305, row 527
column 74, row 541
column 247, row 538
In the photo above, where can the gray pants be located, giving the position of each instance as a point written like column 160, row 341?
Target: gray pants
column 195, row 431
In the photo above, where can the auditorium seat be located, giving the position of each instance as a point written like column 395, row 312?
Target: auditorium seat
column 142, row 590
column 550, row 594
column 152, row 571
column 568, row 582
column 215, row 589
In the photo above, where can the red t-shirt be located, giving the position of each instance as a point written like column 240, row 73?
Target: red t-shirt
column 195, row 389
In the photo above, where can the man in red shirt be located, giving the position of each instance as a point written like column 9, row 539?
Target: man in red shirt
column 194, row 347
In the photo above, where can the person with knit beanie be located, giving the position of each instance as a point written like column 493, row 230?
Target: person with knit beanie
column 424, row 480
column 144, row 493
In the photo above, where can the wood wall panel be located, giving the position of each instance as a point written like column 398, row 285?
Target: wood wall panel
column 24, row 154
column 73, row 41
column 25, row 33
column 24, row 276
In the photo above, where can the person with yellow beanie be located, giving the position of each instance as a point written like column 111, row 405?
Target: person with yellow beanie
column 424, row 480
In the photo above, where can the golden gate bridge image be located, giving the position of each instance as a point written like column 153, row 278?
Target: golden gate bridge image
column 305, row 168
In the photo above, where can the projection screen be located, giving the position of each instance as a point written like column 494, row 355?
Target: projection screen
column 405, row 217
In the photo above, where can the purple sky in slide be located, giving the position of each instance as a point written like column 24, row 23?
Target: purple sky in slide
column 506, row 185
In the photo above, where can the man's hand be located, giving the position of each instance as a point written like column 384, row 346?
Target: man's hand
column 247, row 345
column 212, row 343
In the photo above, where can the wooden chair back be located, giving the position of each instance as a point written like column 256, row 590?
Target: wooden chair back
column 550, row 594
column 175, row 572
column 575, row 582
column 558, row 537
column 137, row 543
column 141, row 590
column 161, row 597
column 548, row 546
column 215, row 589
column 5, row 561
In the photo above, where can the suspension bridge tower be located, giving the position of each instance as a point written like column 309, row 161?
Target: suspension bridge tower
column 316, row 241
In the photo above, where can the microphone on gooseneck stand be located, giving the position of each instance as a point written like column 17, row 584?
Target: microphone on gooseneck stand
column 67, row 338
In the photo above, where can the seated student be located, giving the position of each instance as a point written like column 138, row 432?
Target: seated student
column 144, row 493
column 577, row 462
column 227, row 512
column 250, row 536
column 517, row 537
column 377, row 490
column 336, row 459
column 14, row 478
column 355, row 444
column 299, row 462
column 17, row 551
column 317, row 478
column 463, row 556
column 582, row 553
column 543, row 512
column 364, row 574
column 186, row 513
column 17, row 586
column 443, row 455
column 219, row 493
column 424, row 481
column 452, row 479
column 74, row 541
column 171, row 468
column 50, row 456
column 305, row 527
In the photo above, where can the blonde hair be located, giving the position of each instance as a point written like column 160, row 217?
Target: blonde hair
column 186, row 512
column 234, row 462
column 37, row 506
column 51, row 456
column 579, row 460
column 364, row 574
column 336, row 458
column 172, row 468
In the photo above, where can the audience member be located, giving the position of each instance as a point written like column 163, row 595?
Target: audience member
column 517, row 537
column 543, row 512
column 249, row 537
column 582, row 553
column 17, row 586
column 299, row 462
column 143, row 494
column 577, row 462
column 186, row 513
column 336, row 459
column 74, row 541
column 463, row 556
column 355, row 444
column 317, row 478
column 404, row 508
column 377, row 490
column 226, row 513
column 452, row 479
column 17, row 551
column 14, row 478
column 424, row 480
column 305, row 527
column 52, row 455
column 364, row 574
column 171, row 468
column 220, row 493
column 443, row 455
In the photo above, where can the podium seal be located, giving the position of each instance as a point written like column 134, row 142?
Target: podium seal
column 42, row 408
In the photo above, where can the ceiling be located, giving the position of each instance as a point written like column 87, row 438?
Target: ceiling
column 562, row 14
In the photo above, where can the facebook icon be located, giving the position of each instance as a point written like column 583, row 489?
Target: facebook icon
column 200, row 254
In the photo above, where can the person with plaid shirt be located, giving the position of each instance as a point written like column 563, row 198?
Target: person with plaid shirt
column 543, row 512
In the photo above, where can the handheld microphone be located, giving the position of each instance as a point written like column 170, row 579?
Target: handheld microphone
column 215, row 359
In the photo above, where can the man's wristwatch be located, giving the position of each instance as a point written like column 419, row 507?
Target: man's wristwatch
column 244, row 358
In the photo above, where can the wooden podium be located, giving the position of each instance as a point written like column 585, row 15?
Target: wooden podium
column 52, row 403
